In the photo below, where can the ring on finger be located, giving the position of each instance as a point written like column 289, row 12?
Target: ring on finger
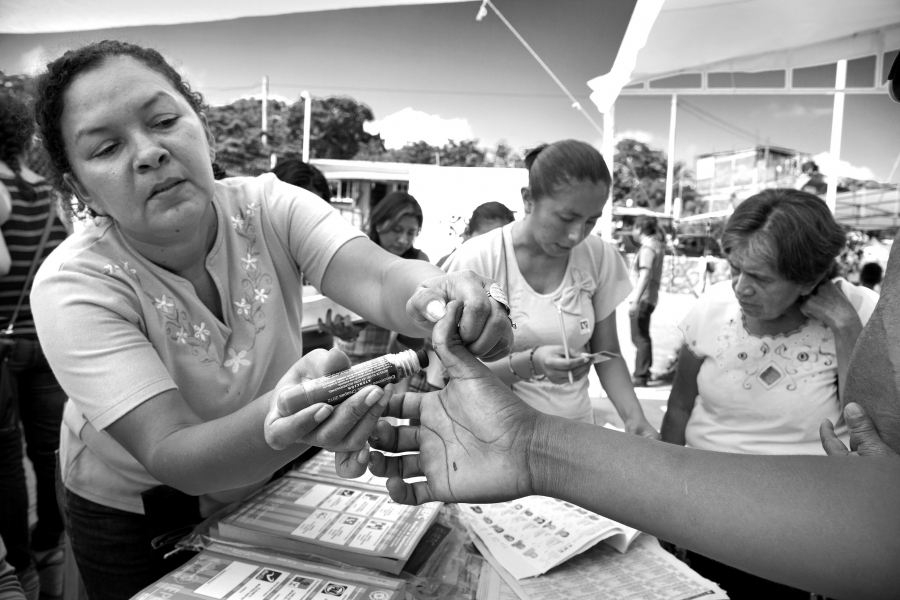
column 497, row 293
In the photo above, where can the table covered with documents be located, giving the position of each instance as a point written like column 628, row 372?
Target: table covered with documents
column 311, row 535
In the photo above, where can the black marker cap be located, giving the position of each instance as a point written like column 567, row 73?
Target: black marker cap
column 423, row 358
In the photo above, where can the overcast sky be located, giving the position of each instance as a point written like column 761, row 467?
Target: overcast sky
column 433, row 72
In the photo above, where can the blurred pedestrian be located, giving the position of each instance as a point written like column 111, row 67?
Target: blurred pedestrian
column 870, row 276
column 647, row 269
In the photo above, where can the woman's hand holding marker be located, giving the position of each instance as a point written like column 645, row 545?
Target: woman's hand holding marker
column 343, row 429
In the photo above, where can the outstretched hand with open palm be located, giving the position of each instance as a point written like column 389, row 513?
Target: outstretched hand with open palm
column 474, row 435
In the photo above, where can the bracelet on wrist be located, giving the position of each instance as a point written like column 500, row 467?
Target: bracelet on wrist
column 509, row 364
column 534, row 376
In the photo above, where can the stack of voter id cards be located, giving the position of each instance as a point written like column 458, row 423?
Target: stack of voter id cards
column 352, row 522
column 224, row 572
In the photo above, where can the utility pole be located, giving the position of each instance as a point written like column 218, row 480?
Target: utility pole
column 670, row 159
column 265, row 110
column 307, row 118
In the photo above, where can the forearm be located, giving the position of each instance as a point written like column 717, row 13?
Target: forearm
column 616, row 382
column 812, row 522
column 674, row 425
column 521, row 368
column 679, row 407
column 400, row 281
column 221, row 454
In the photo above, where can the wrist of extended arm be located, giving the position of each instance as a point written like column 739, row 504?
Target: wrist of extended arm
column 401, row 280
column 518, row 365
column 549, row 455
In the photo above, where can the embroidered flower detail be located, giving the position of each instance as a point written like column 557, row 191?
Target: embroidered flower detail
column 129, row 269
column 260, row 295
column 111, row 268
column 164, row 305
column 237, row 223
column 249, row 262
column 237, row 360
column 243, row 307
column 251, row 209
column 181, row 336
column 200, row 332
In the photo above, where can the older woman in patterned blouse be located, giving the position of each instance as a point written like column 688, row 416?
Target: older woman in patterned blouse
column 765, row 359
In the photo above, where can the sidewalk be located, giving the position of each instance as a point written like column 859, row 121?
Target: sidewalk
column 666, row 338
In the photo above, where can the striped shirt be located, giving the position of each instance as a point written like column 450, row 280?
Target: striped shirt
column 22, row 233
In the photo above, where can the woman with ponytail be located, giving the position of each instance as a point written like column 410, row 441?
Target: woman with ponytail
column 550, row 264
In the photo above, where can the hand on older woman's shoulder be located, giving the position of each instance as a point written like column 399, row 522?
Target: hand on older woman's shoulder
column 828, row 304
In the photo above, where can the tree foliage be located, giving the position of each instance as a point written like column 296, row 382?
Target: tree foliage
column 639, row 175
column 336, row 131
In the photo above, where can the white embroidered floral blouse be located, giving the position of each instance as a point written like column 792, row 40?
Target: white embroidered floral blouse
column 763, row 394
column 118, row 330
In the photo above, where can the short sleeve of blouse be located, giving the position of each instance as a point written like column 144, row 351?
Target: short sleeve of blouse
column 90, row 331
column 613, row 282
column 309, row 227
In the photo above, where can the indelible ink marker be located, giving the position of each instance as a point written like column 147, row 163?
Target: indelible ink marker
column 337, row 387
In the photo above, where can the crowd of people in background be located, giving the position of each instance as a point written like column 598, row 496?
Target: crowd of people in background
column 191, row 282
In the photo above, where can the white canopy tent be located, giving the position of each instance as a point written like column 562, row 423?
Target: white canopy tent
column 723, row 47
column 671, row 47
column 47, row 16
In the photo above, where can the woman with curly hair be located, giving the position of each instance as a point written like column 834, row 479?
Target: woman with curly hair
column 32, row 400
column 174, row 322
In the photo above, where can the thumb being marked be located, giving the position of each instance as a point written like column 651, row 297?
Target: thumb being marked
column 435, row 310
column 426, row 304
column 448, row 343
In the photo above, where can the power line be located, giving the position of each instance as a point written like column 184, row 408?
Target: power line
column 482, row 12
column 700, row 117
column 310, row 86
column 722, row 123
column 423, row 91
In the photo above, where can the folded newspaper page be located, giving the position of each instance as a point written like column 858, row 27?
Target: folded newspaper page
column 645, row 572
column 532, row 535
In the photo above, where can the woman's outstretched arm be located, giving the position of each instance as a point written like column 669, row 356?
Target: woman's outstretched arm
column 822, row 523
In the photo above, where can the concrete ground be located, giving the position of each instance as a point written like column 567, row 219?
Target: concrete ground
column 666, row 337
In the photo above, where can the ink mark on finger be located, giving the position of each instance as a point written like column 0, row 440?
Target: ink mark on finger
column 454, row 466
